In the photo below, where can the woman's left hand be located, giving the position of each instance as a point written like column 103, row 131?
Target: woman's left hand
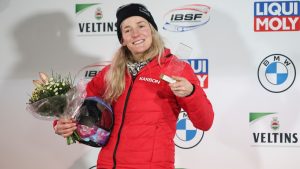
column 182, row 87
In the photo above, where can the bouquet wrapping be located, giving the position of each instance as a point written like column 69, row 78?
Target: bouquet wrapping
column 57, row 97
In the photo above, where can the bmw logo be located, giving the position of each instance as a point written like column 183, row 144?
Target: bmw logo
column 187, row 136
column 276, row 73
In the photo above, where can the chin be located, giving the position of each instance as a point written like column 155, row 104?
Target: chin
column 139, row 51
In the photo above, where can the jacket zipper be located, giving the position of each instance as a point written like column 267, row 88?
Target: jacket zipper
column 123, row 119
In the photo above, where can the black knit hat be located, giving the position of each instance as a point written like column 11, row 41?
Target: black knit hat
column 132, row 9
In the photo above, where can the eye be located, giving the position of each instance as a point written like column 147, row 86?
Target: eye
column 126, row 30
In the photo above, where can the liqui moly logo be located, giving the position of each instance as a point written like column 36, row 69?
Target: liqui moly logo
column 200, row 67
column 277, row 16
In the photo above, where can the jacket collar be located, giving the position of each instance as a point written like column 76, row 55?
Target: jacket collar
column 154, row 62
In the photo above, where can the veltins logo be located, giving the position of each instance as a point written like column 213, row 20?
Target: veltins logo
column 92, row 19
column 186, row 18
column 187, row 136
column 98, row 14
column 277, row 16
column 276, row 73
column 268, row 130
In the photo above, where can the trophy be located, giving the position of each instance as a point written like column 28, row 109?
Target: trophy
column 176, row 65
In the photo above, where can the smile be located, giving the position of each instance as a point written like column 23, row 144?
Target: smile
column 138, row 42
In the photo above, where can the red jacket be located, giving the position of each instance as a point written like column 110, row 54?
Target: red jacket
column 145, row 118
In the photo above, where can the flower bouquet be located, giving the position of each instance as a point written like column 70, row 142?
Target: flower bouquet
column 57, row 97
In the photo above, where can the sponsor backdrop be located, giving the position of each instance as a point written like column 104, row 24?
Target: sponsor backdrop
column 245, row 53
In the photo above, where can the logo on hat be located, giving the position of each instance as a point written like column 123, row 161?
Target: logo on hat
column 145, row 11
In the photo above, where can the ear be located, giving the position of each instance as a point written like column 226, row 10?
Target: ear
column 123, row 43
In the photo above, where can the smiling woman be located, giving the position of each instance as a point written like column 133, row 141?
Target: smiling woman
column 137, row 36
column 144, row 106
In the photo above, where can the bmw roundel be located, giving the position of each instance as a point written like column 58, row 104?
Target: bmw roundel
column 187, row 136
column 276, row 73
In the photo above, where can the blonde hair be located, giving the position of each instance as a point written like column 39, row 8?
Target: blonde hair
column 115, row 77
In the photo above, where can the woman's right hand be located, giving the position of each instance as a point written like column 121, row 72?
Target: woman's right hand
column 65, row 127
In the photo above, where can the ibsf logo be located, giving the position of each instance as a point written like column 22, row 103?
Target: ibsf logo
column 187, row 136
column 276, row 73
column 88, row 72
column 277, row 16
column 186, row 18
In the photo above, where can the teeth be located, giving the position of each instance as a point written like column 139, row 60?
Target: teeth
column 138, row 42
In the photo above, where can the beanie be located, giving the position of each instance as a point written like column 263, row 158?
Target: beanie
column 132, row 9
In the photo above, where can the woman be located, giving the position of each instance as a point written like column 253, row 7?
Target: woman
column 146, row 108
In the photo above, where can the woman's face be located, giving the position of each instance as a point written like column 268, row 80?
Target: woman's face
column 136, row 34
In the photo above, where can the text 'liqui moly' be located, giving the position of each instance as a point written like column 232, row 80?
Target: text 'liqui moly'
column 277, row 16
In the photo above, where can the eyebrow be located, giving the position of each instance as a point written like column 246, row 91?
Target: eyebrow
column 137, row 23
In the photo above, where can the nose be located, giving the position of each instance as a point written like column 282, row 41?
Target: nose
column 135, row 32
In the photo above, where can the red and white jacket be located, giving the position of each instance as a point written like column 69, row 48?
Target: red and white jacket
column 145, row 118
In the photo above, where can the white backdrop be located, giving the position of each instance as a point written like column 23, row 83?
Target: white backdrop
column 39, row 35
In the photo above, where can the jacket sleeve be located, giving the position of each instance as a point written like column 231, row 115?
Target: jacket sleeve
column 197, row 105
column 96, row 86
